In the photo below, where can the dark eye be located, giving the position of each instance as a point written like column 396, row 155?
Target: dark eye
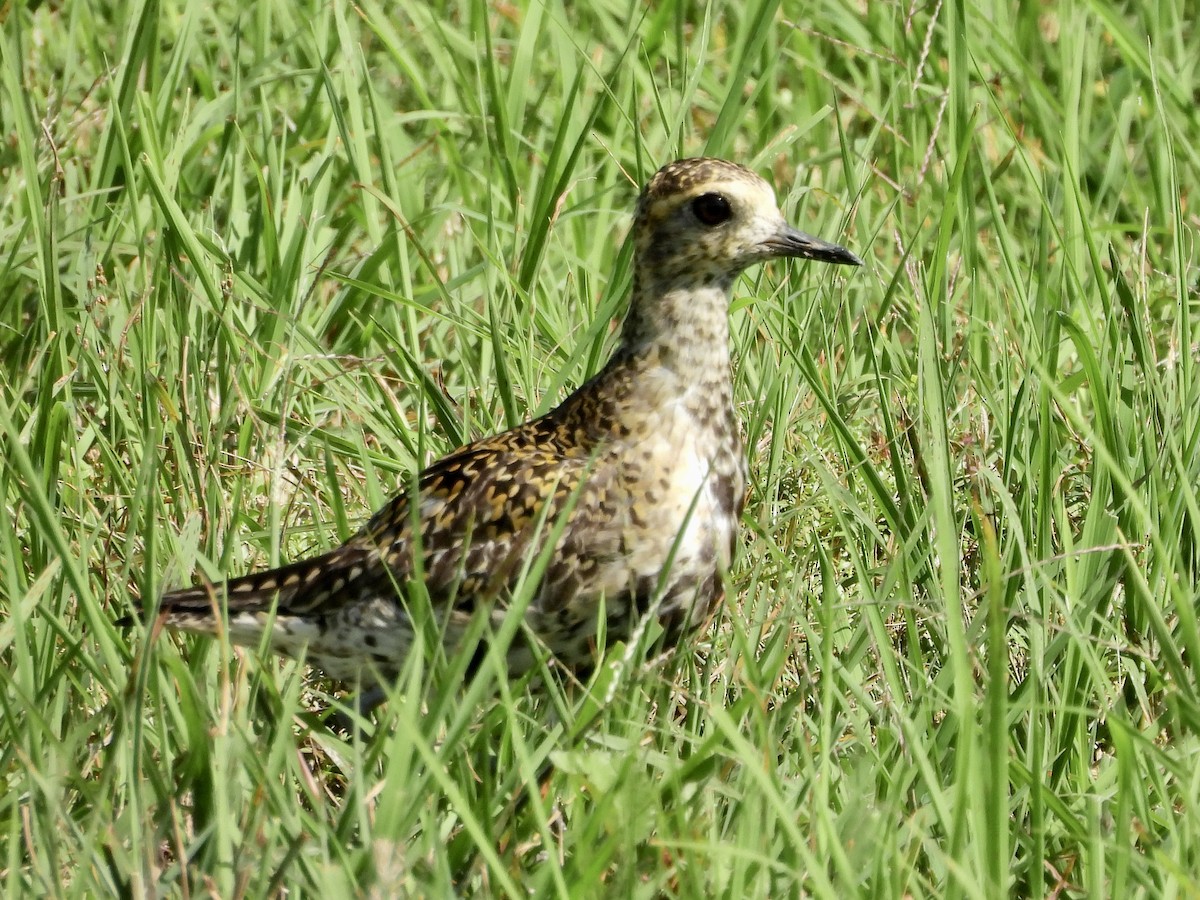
column 712, row 209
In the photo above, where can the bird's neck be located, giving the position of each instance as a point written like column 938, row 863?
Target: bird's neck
column 670, row 372
column 672, row 362
column 681, row 323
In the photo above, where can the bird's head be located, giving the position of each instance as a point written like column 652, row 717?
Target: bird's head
column 713, row 219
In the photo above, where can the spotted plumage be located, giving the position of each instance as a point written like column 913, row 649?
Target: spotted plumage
column 638, row 477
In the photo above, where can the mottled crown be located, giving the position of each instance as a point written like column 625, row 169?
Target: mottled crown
column 689, row 177
column 684, row 175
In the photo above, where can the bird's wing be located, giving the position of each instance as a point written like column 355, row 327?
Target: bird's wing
column 478, row 514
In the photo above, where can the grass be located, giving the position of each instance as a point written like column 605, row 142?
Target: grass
column 259, row 262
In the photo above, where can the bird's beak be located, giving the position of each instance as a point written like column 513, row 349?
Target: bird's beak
column 790, row 242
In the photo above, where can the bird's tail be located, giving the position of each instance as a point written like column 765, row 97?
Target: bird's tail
column 291, row 589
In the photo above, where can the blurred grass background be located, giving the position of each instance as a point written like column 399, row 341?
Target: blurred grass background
column 259, row 262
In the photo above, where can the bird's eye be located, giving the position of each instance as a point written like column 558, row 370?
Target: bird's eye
column 712, row 209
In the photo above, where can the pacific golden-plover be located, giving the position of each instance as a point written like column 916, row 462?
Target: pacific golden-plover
column 639, row 473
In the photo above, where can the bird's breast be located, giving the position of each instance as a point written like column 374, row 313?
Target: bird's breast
column 685, row 481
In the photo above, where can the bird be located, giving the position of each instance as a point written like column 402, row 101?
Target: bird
column 631, row 489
